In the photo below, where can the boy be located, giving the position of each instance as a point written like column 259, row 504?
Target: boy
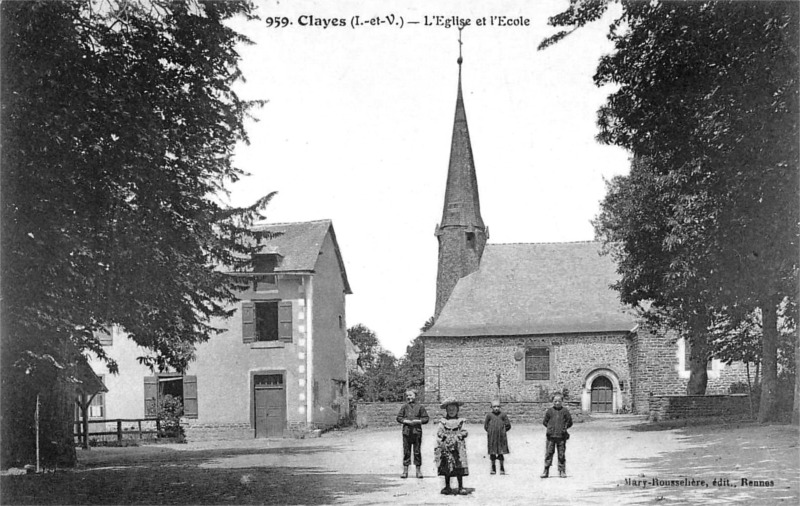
column 557, row 420
column 496, row 426
column 412, row 416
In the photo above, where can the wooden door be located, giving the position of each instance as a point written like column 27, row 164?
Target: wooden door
column 270, row 405
column 602, row 395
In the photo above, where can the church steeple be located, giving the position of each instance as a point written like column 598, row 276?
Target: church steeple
column 461, row 234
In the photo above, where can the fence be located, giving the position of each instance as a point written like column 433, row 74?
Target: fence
column 117, row 431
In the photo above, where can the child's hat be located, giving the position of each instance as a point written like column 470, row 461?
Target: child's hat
column 449, row 401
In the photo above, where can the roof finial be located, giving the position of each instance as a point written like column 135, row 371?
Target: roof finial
column 460, row 59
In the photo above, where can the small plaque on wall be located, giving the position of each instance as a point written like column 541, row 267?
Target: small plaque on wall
column 518, row 355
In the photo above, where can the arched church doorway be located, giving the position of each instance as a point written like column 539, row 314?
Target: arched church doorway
column 602, row 395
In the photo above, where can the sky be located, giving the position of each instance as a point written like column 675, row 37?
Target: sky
column 358, row 123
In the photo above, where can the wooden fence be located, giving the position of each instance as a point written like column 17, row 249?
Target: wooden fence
column 135, row 429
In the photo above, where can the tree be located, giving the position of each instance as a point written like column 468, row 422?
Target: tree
column 651, row 278
column 411, row 368
column 367, row 342
column 118, row 127
column 706, row 103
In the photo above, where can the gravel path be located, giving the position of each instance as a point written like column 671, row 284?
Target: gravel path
column 363, row 467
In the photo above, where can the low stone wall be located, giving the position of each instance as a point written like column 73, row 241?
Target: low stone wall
column 384, row 414
column 218, row 432
column 724, row 407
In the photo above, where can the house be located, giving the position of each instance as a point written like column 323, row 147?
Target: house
column 522, row 321
column 281, row 362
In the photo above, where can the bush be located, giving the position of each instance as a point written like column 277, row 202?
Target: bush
column 170, row 411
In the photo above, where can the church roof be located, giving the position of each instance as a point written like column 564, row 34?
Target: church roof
column 299, row 246
column 525, row 289
column 461, row 203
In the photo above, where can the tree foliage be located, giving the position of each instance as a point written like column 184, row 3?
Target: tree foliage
column 384, row 377
column 367, row 342
column 118, row 128
column 706, row 102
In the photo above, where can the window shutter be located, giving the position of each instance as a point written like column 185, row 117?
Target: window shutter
column 248, row 321
column 285, row 321
column 190, row 396
column 150, row 396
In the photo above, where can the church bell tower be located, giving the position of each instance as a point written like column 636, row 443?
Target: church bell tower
column 461, row 233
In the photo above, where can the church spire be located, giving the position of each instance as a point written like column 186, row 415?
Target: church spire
column 461, row 234
column 461, row 202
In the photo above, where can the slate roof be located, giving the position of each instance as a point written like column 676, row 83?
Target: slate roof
column 86, row 380
column 462, row 205
column 526, row 289
column 299, row 246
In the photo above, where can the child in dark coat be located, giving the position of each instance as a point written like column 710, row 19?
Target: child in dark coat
column 496, row 426
column 557, row 420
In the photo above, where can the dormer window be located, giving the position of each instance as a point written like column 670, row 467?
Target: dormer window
column 264, row 268
column 265, row 263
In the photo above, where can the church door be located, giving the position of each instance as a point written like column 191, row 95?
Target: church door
column 602, row 395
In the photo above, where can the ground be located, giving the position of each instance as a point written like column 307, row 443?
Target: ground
column 363, row 467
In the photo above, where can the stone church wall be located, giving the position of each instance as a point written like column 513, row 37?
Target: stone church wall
column 478, row 369
column 380, row 414
column 722, row 407
column 658, row 369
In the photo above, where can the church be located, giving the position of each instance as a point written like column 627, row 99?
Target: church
column 520, row 322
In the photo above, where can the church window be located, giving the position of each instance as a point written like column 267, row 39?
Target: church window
column 471, row 239
column 537, row 364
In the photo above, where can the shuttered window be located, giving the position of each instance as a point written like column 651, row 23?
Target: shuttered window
column 248, row 321
column 190, row 396
column 537, row 364
column 150, row 397
column 285, row 321
column 267, row 321
column 155, row 388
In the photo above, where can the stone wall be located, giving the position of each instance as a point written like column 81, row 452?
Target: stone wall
column 378, row 414
column 479, row 369
column 654, row 368
column 657, row 369
column 218, row 432
column 724, row 407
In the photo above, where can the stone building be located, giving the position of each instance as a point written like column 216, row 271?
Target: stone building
column 281, row 362
column 522, row 321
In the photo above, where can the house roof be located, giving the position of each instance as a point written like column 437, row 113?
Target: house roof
column 546, row 288
column 86, row 380
column 299, row 246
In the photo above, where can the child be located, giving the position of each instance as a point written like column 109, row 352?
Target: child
column 451, row 450
column 412, row 416
column 496, row 426
column 557, row 420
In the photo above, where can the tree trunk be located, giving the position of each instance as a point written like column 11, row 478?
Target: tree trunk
column 58, row 414
column 698, row 363
column 768, row 407
column 796, row 409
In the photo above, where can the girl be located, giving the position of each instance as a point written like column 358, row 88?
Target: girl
column 451, row 450
column 496, row 426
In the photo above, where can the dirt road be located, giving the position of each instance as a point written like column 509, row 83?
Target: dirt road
column 609, row 461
